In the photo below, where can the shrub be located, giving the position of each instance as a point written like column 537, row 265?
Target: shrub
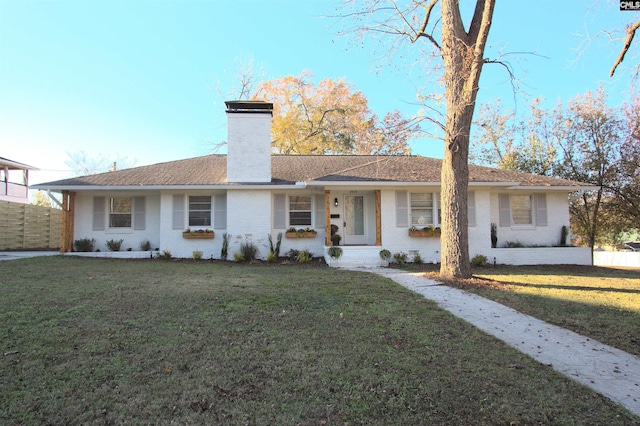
column 238, row 257
column 275, row 250
column 334, row 252
column 479, row 260
column 272, row 257
column 513, row 244
column 84, row 244
column 400, row 258
column 224, row 252
column 249, row 251
column 304, row 256
column 417, row 258
column 292, row 254
column 114, row 245
column 197, row 255
column 145, row 245
column 494, row 235
column 564, row 233
column 166, row 254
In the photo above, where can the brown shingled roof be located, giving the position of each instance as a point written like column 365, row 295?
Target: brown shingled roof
column 288, row 169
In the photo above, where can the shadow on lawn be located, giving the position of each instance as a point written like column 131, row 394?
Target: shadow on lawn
column 574, row 270
column 569, row 287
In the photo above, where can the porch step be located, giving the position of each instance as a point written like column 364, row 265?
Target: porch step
column 356, row 256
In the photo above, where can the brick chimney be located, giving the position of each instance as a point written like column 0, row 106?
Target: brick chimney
column 249, row 141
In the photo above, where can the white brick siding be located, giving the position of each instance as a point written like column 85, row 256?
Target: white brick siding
column 83, row 224
column 249, row 147
column 249, row 218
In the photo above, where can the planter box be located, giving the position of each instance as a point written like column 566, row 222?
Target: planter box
column 198, row 235
column 424, row 233
column 300, row 234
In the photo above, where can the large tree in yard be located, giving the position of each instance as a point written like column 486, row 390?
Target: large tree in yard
column 463, row 55
column 461, row 48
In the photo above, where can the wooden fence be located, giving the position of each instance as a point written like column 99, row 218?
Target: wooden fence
column 29, row 227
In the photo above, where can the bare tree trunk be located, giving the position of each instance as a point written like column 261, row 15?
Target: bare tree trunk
column 462, row 52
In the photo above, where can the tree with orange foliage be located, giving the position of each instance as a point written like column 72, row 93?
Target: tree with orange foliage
column 331, row 118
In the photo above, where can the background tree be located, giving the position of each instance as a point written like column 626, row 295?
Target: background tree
column 630, row 32
column 39, row 198
column 528, row 145
column 627, row 184
column 82, row 163
column 586, row 141
column 242, row 80
column 330, row 118
column 593, row 134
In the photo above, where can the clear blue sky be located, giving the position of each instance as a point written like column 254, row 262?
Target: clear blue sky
column 135, row 78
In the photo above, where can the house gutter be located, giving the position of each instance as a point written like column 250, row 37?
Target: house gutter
column 80, row 188
column 554, row 188
column 491, row 185
column 516, row 186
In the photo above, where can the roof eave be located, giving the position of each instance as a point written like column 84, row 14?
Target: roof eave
column 78, row 188
column 569, row 188
column 368, row 183
column 14, row 165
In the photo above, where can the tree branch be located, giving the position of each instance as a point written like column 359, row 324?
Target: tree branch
column 631, row 32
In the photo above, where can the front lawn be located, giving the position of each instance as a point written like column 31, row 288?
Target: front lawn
column 98, row 341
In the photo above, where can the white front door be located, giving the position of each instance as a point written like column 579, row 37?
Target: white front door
column 354, row 225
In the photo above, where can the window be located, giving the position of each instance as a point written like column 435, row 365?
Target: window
column 120, row 212
column 300, row 210
column 522, row 209
column 518, row 209
column 423, row 205
column 200, row 211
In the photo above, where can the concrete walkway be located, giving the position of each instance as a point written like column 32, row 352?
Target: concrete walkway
column 607, row 370
column 10, row 255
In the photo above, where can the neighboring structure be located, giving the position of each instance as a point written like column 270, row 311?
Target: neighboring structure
column 374, row 202
column 632, row 246
column 14, row 181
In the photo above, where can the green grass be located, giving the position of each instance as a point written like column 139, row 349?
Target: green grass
column 96, row 341
column 600, row 303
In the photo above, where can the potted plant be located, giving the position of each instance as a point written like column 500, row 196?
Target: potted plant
column 335, row 237
column 385, row 255
column 334, row 252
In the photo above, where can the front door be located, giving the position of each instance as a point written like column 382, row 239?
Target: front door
column 354, row 220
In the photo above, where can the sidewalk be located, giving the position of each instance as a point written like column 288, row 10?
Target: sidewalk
column 10, row 255
column 607, row 370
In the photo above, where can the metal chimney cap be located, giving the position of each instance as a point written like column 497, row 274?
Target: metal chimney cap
column 249, row 106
